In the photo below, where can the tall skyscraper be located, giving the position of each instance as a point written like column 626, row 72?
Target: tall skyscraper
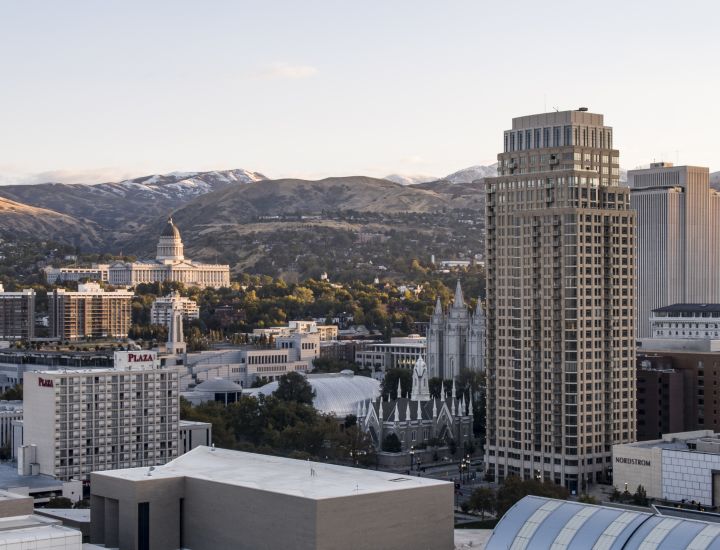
column 560, row 302
column 678, row 234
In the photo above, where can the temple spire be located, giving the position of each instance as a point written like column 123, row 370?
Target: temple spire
column 452, row 394
column 397, row 412
column 434, row 408
column 399, row 390
column 479, row 311
column 438, row 307
column 470, row 407
column 459, row 301
column 408, row 414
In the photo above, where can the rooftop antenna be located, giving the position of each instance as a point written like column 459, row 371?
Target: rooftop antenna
column 556, row 109
column 150, row 471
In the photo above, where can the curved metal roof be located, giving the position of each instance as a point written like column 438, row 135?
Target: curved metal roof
column 537, row 523
column 338, row 394
column 218, row 385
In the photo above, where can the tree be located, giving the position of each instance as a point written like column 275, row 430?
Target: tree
column 435, row 385
column 391, row 444
column 483, row 499
column 13, row 394
column 59, row 502
column 513, row 489
column 350, row 421
column 390, row 383
column 640, row 496
column 294, row 387
column 587, row 499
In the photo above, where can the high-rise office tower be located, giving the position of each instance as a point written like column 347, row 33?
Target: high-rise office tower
column 560, row 302
column 678, row 234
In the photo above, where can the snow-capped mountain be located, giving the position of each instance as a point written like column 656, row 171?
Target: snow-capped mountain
column 179, row 184
column 468, row 175
column 409, row 179
column 125, row 205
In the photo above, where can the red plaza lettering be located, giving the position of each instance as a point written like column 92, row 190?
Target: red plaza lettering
column 137, row 357
column 45, row 383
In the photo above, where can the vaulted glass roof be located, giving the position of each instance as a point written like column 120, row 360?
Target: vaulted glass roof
column 539, row 523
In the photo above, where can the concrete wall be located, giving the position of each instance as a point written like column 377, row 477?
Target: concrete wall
column 13, row 504
column 627, row 471
column 39, row 420
column 107, row 517
column 407, row 519
column 218, row 515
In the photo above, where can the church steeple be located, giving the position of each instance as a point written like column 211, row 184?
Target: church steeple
column 459, row 301
column 438, row 308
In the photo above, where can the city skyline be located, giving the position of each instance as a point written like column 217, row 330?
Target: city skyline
column 102, row 93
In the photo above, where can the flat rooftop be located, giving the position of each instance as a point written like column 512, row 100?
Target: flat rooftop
column 17, row 531
column 313, row 480
column 10, row 479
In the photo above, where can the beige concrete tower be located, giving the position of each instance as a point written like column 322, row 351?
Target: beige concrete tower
column 560, row 302
column 678, row 219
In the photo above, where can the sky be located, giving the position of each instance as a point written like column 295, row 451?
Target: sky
column 96, row 91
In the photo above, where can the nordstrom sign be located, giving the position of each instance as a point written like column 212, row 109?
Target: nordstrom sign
column 632, row 461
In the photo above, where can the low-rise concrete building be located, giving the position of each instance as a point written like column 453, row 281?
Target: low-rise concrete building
column 399, row 353
column 679, row 467
column 216, row 498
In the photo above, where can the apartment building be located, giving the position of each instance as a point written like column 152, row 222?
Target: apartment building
column 560, row 302
column 91, row 312
column 17, row 314
column 161, row 310
column 83, row 421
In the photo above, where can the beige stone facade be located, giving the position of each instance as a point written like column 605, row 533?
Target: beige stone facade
column 560, row 302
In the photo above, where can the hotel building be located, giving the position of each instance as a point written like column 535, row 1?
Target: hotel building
column 678, row 235
column 83, row 421
column 17, row 314
column 560, row 302
column 91, row 312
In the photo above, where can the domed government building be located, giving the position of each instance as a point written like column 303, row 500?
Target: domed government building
column 169, row 264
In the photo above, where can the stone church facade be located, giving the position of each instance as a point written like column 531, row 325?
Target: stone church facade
column 419, row 420
column 456, row 339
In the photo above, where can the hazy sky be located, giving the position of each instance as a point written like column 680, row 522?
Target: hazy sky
column 98, row 90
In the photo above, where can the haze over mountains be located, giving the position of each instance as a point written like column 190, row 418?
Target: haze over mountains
column 243, row 217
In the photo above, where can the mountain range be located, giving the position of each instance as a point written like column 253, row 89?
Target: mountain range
column 244, row 218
